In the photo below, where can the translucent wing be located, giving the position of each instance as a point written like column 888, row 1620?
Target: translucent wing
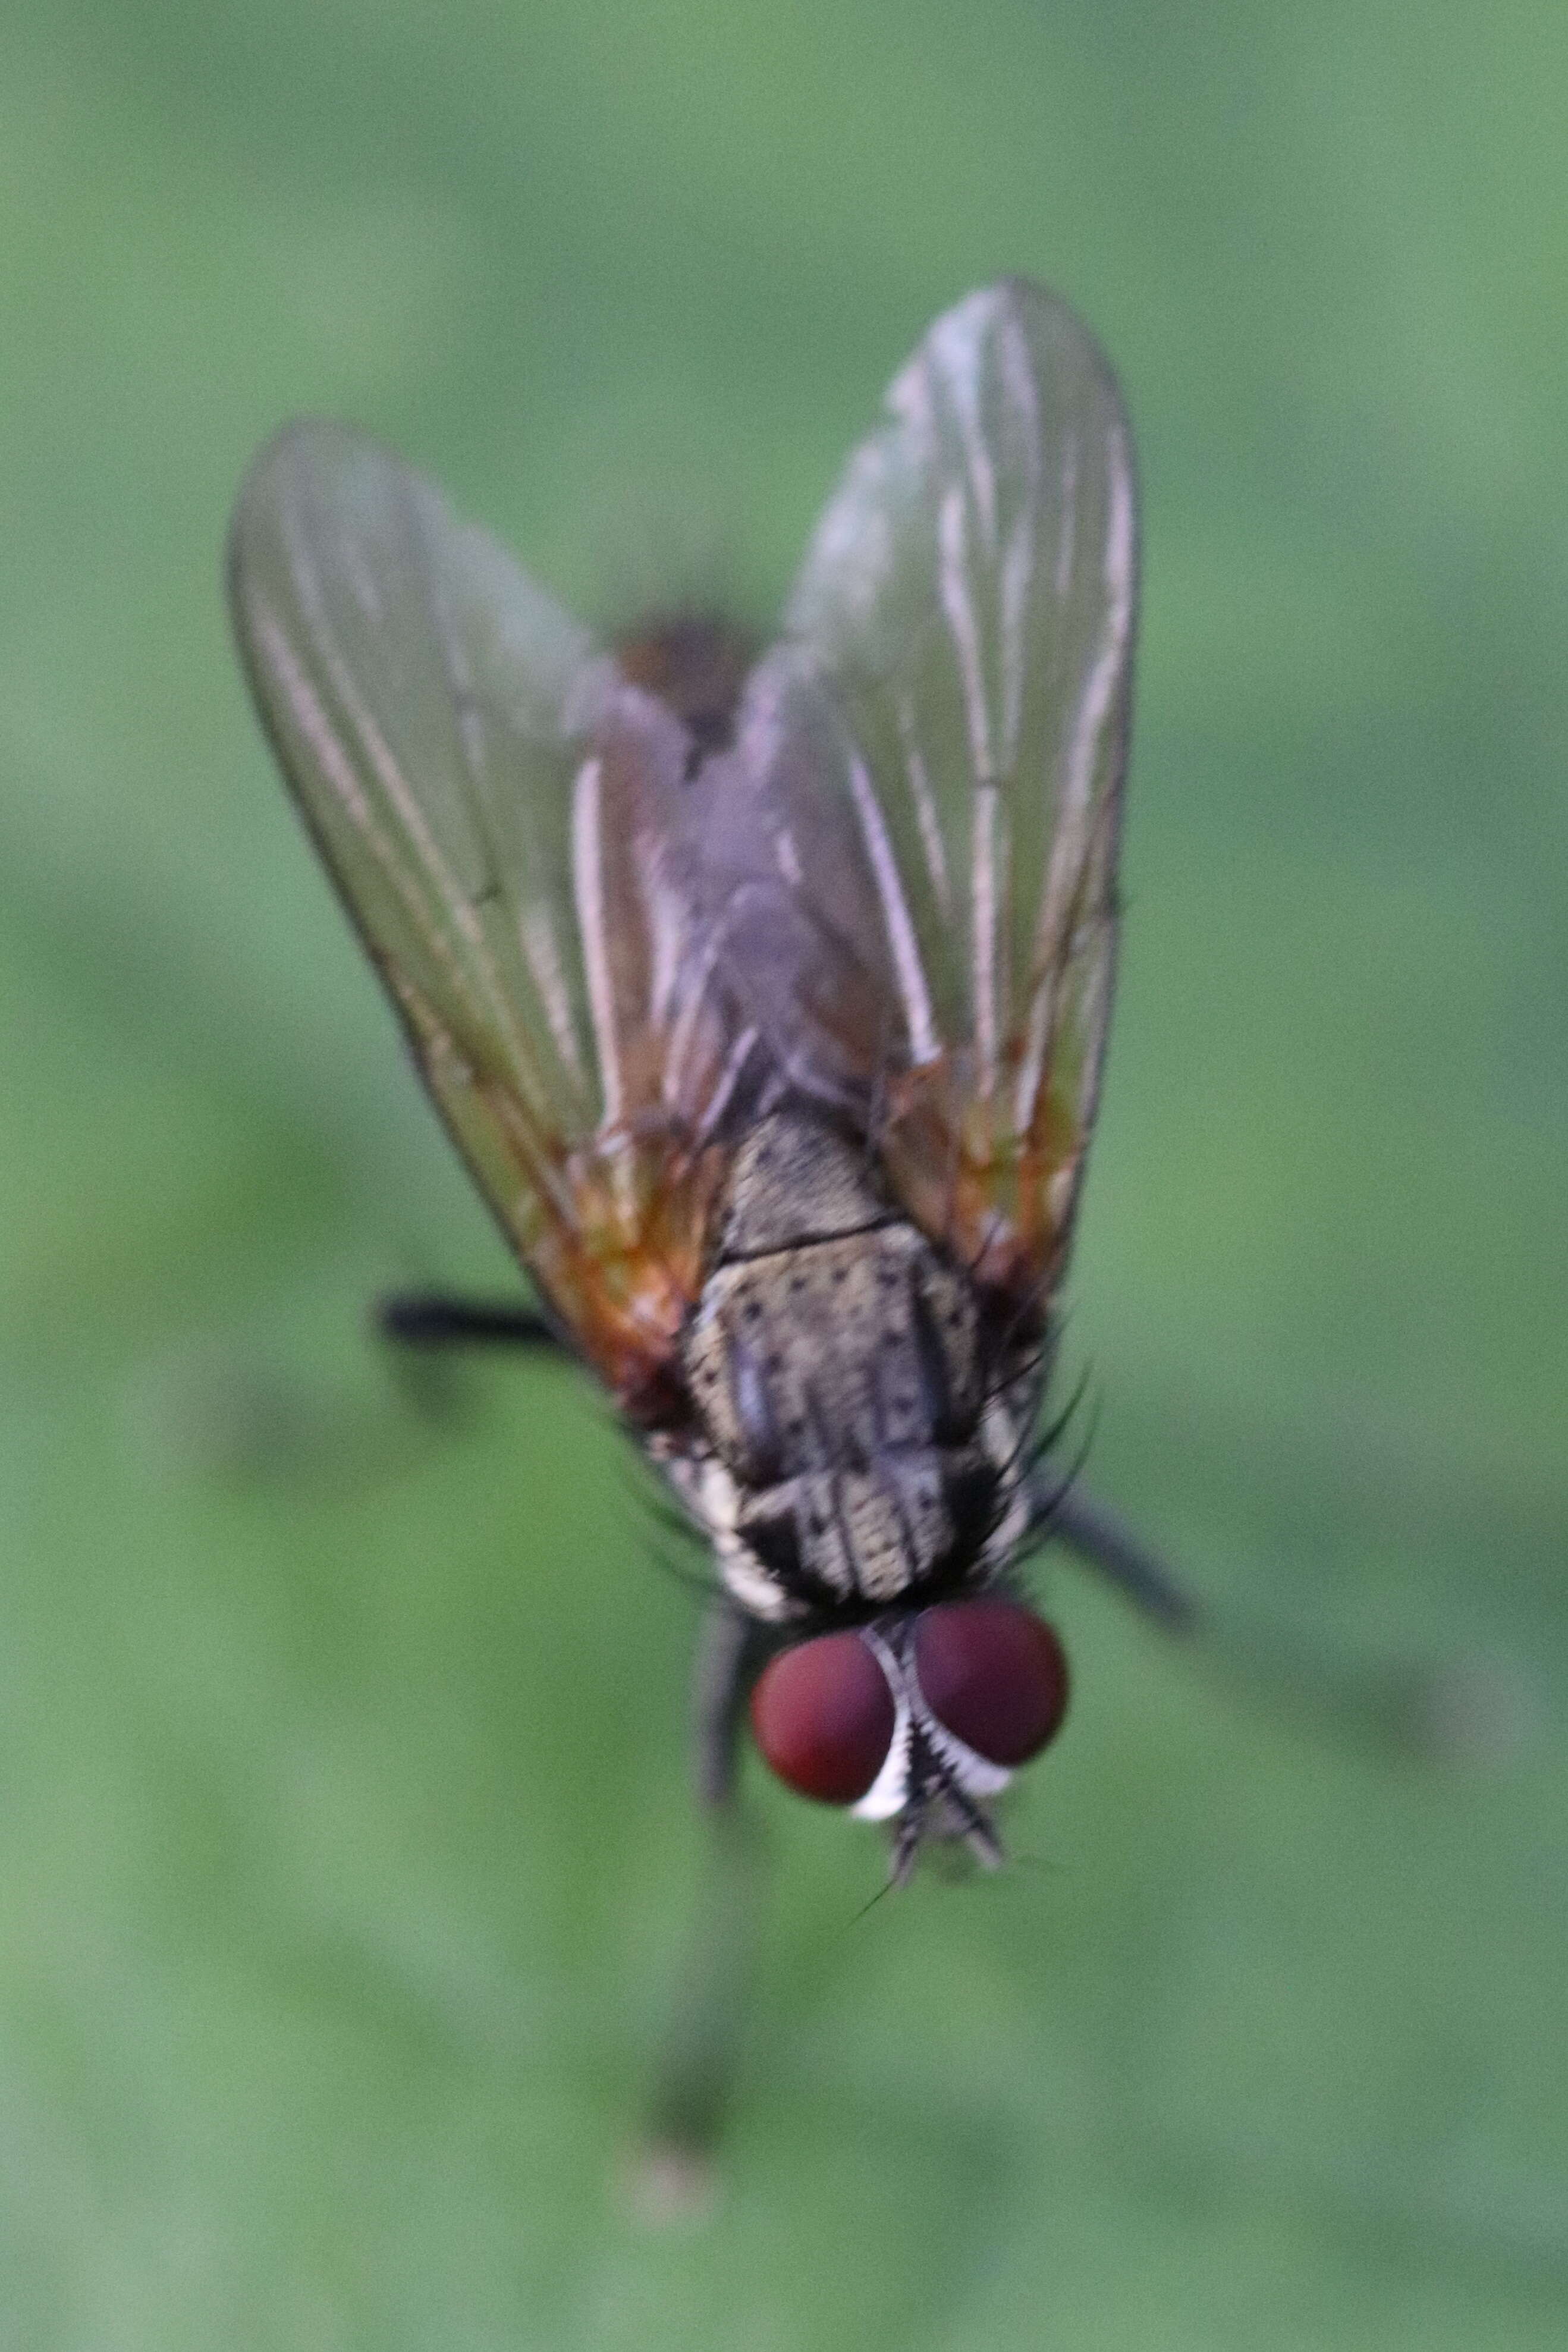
column 503, row 816
column 934, row 756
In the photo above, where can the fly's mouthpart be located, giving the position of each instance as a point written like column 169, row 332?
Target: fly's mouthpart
column 942, row 1809
column 931, row 1783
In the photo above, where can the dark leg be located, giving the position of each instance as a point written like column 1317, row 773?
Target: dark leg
column 1453, row 1711
column 695, row 2069
column 1097, row 1535
column 731, row 1652
column 432, row 1320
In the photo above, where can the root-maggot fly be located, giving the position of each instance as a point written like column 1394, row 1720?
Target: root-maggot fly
column 766, row 1001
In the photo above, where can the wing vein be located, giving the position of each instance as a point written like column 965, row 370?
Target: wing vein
column 405, row 807
column 588, row 886
column 917, row 777
column 1073, row 865
column 987, row 854
column 331, row 757
column 958, row 606
column 901, row 935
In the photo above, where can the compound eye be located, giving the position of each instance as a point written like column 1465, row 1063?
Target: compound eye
column 823, row 1716
column 994, row 1674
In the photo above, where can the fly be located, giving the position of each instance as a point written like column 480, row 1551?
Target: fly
column 766, row 999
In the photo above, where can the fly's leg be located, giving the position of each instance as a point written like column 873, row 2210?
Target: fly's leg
column 1459, row 1710
column 696, row 2064
column 431, row 1332
column 432, row 1319
column 732, row 1649
column 1098, row 1535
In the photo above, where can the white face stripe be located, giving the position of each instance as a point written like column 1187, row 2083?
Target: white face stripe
column 889, row 1792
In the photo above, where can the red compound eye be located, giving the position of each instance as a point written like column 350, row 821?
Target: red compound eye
column 995, row 1674
column 823, row 1715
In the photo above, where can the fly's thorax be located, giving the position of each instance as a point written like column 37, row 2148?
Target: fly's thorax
column 830, row 1334
column 795, row 1179
column 864, row 1538
column 853, row 1447
column 853, row 1540
column 834, row 1353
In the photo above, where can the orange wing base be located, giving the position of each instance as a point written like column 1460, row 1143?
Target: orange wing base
column 622, row 1263
column 1000, row 1202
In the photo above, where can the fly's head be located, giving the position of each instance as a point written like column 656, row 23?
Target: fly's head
column 918, row 1719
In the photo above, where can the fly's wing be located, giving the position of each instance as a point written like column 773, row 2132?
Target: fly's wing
column 934, row 760
column 502, row 814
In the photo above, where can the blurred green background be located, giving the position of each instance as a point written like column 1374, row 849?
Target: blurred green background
column 344, row 1847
